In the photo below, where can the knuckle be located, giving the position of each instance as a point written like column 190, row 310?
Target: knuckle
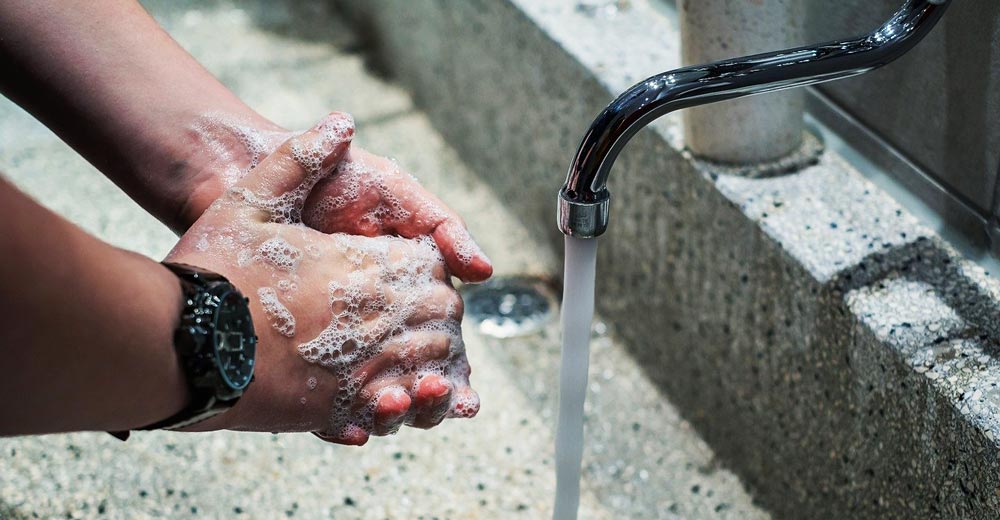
column 458, row 305
column 395, row 354
column 438, row 347
column 451, row 302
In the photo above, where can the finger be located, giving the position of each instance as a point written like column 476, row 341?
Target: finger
column 406, row 352
column 389, row 256
column 416, row 256
column 463, row 255
column 391, row 408
column 389, row 357
column 351, row 435
column 464, row 403
column 441, row 302
column 369, row 196
column 465, row 400
column 348, row 200
column 382, row 405
column 429, row 216
column 301, row 160
column 431, row 402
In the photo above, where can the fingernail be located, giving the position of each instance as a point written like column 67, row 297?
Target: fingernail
column 434, row 387
column 354, row 435
column 393, row 403
column 465, row 405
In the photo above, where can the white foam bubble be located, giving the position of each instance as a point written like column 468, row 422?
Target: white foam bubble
column 244, row 257
column 286, row 285
column 280, row 253
column 309, row 153
column 360, row 182
column 281, row 318
column 236, row 146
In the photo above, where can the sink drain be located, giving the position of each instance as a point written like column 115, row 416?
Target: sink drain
column 507, row 307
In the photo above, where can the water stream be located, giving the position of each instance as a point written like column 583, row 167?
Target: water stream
column 577, row 313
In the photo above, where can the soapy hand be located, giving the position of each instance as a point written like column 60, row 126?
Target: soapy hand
column 358, row 335
column 365, row 195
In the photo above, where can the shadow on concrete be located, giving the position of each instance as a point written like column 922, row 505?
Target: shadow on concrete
column 929, row 262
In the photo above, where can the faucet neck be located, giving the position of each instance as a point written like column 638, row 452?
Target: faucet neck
column 584, row 199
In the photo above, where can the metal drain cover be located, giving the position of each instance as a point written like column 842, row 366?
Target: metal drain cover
column 511, row 306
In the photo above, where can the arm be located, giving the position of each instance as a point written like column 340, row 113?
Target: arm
column 86, row 329
column 115, row 86
column 110, row 82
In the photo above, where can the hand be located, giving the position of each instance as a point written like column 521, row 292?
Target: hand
column 366, row 195
column 357, row 335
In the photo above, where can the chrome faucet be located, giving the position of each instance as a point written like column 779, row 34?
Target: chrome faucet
column 584, row 199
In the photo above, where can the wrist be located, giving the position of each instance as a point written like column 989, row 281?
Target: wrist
column 215, row 346
column 163, row 388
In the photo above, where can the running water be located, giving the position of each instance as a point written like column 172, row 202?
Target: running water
column 577, row 313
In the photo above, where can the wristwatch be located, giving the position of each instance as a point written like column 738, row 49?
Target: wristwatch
column 215, row 343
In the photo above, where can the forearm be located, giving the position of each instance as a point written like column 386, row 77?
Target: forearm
column 108, row 80
column 86, row 330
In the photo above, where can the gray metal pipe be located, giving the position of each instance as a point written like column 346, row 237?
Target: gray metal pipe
column 742, row 131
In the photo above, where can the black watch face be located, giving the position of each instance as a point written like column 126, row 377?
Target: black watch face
column 235, row 343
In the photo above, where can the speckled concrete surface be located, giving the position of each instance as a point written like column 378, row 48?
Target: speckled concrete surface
column 833, row 351
column 643, row 460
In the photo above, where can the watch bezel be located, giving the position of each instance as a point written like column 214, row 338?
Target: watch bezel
column 230, row 291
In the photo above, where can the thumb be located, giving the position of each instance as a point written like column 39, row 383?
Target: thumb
column 283, row 180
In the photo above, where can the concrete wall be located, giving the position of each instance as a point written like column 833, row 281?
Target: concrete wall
column 941, row 103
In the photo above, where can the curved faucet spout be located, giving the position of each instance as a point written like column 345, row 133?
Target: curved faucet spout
column 584, row 199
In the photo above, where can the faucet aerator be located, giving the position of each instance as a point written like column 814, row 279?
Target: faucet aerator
column 584, row 219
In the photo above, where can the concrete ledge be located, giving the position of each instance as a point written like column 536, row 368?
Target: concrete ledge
column 835, row 353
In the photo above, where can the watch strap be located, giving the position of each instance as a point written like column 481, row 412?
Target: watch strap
column 194, row 413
